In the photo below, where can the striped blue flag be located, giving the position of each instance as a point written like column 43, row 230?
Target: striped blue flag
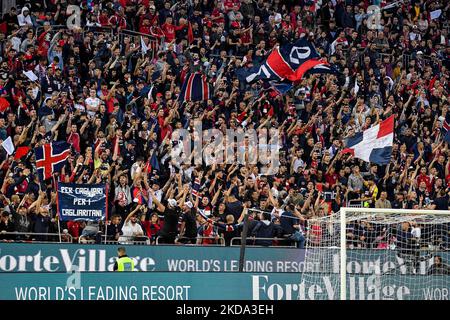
column 195, row 88
column 196, row 187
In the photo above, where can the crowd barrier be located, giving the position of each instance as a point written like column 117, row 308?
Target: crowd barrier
column 35, row 237
column 276, row 242
column 198, row 241
column 111, row 34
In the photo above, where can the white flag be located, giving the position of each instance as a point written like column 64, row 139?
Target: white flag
column 435, row 14
column 144, row 47
column 30, row 75
column 8, row 146
column 356, row 89
column 149, row 95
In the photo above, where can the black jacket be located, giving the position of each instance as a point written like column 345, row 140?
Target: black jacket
column 263, row 230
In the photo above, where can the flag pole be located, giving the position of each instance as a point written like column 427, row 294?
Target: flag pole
column 59, row 230
column 55, row 182
column 106, row 215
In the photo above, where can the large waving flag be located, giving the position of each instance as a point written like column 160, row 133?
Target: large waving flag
column 50, row 158
column 195, row 88
column 288, row 62
column 374, row 144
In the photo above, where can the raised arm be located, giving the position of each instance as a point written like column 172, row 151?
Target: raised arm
column 216, row 196
column 133, row 212
column 161, row 208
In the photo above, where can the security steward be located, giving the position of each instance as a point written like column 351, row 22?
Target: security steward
column 123, row 263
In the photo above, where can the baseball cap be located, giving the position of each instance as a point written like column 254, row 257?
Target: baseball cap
column 132, row 142
column 189, row 204
column 172, row 202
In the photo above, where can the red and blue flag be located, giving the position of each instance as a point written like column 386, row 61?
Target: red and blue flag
column 50, row 158
column 195, row 88
column 288, row 62
column 374, row 144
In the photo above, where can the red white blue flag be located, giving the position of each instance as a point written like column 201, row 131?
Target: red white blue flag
column 196, row 187
column 374, row 144
column 50, row 158
column 288, row 62
column 195, row 88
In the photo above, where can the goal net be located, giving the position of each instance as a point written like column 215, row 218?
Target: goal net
column 378, row 254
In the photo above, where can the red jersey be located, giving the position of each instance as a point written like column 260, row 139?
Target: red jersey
column 74, row 140
column 103, row 20
column 151, row 228
column 164, row 129
column 426, row 179
column 169, row 31
column 331, row 179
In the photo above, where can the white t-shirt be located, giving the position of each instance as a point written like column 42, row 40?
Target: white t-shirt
column 416, row 232
column 129, row 230
column 92, row 103
column 298, row 163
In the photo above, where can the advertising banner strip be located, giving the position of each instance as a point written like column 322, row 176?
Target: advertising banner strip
column 211, row 286
column 62, row 258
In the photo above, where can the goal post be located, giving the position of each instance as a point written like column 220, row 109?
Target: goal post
column 367, row 253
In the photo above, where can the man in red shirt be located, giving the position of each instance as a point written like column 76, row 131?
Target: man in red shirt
column 72, row 134
column 103, row 18
column 145, row 26
column 118, row 20
column 169, row 29
column 425, row 178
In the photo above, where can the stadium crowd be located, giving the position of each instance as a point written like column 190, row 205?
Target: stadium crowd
column 110, row 88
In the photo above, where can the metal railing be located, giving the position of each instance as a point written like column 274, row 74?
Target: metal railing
column 135, row 240
column 110, row 33
column 355, row 203
column 35, row 237
column 54, row 29
column 154, row 44
column 106, row 30
column 289, row 243
column 220, row 241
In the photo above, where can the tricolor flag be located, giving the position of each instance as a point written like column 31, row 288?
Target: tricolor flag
column 374, row 144
column 196, row 187
column 50, row 158
column 195, row 88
